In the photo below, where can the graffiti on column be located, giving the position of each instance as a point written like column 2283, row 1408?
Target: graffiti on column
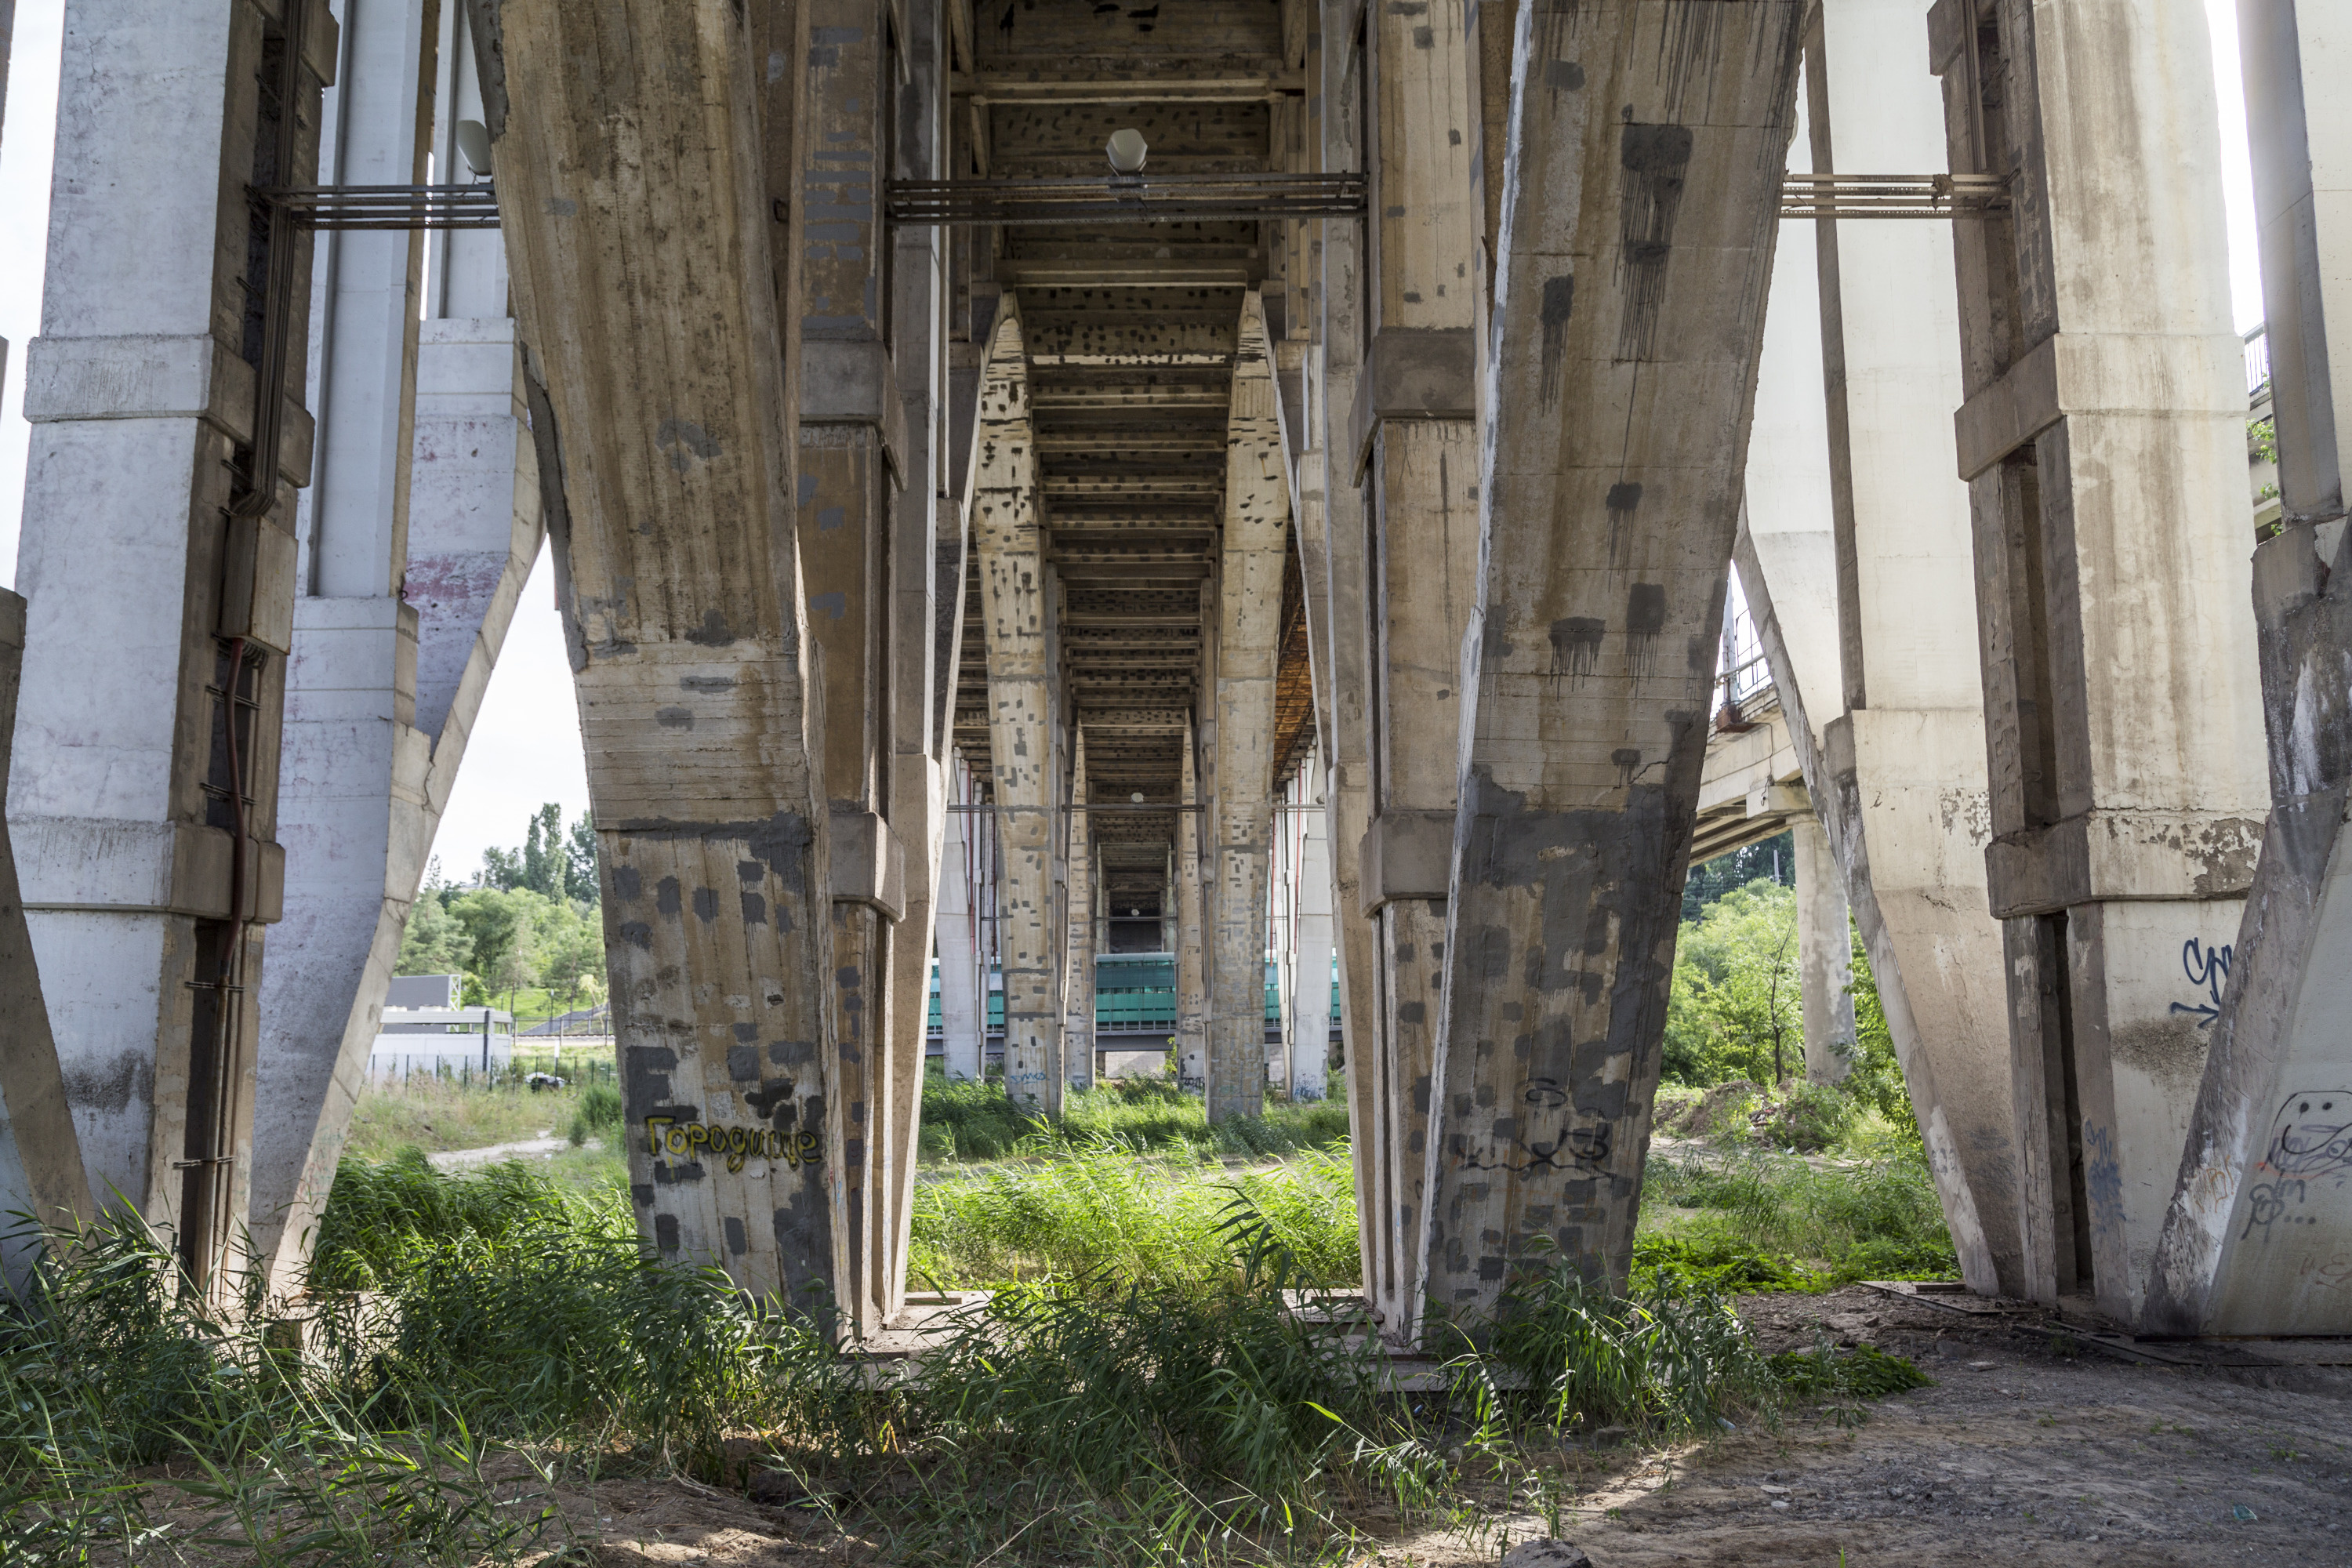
column 2310, row 1140
column 1570, row 1148
column 2208, row 969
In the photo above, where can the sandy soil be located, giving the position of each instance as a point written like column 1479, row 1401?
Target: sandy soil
column 2022, row 1453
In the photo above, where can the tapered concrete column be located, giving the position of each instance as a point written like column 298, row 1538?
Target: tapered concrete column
column 1410, row 445
column 1307, row 1029
column 672, row 413
column 964, row 988
column 1249, row 632
column 40, row 1159
column 1626, row 325
column 1824, row 956
column 2104, row 441
column 1017, row 611
column 1870, row 569
column 385, row 680
column 1342, row 632
column 1083, row 896
column 1191, row 935
column 142, row 803
column 2258, row 1224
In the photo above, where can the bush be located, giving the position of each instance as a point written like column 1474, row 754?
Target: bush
column 1803, row 1116
column 599, row 1113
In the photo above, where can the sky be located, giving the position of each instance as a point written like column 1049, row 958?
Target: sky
column 525, row 748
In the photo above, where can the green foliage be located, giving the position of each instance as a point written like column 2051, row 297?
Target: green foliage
column 2262, row 439
column 433, row 942
column 1717, row 1260
column 599, row 1114
column 977, row 1121
column 1801, row 1115
column 1773, row 860
column 1864, row 1370
column 1862, row 1219
column 1102, row 1212
column 1734, row 1007
column 1876, row 1079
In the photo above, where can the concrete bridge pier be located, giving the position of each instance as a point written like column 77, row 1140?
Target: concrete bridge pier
column 1631, row 257
column 417, row 539
column 2259, row 1228
column 158, row 557
column 1078, row 943
column 673, row 418
column 2102, row 438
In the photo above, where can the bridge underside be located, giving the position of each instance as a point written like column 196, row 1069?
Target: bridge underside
column 1037, row 482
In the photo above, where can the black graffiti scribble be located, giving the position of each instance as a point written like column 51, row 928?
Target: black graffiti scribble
column 2208, row 967
column 1545, row 1092
column 1578, row 1147
column 2310, row 1138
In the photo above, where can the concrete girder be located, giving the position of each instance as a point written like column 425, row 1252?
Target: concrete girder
column 645, row 286
column 1023, row 692
column 1614, row 421
column 2102, row 438
column 142, row 804
column 2255, row 1239
column 1249, row 611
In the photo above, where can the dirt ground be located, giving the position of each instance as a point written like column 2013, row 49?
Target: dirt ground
column 2020, row 1453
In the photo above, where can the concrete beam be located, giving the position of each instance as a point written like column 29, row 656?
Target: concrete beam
column 646, row 287
column 1633, row 254
column 1249, row 632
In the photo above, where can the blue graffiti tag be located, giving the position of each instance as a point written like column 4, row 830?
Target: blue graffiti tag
column 2208, row 967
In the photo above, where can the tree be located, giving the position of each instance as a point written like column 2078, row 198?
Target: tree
column 433, row 944
column 501, row 869
column 1773, row 860
column 1735, row 1008
column 546, row 869
column 571, row 952
column 584, row 863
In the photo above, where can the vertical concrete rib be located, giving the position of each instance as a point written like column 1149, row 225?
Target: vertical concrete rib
column 1339, row 362
column 1021, row 698
column 1614, row 401
column 1078, row 985
column 1307, row 1029
column 678, row 567
column 1824, row 955
column 2104, row 440
column 2258, row 1229
column 160, row 571
column 1191, row 932
column 1249, row 633
column 963, row 984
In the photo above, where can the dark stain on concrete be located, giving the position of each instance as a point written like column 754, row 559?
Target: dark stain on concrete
column 1656, row 161
column 1576, row 645
column 707, row 685
column 666, row 1232
column 674, row 717
column 755, row 910
column 706, row 904
column 637, row 934
column 628, row 883
column 666, row 901
column 737, row 1243
column 684, row 440
column 1559, row 304
column 713, row 632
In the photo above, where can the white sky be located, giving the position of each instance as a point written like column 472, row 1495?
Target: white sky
column 526, row 747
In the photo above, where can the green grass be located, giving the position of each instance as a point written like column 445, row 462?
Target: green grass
column 436, row 1114
column 973, row 1121
column 1785, row 1222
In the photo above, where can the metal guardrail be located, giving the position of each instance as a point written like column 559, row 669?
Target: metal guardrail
column 2258, row 361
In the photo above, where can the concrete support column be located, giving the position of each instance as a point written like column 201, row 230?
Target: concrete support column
column 1824, row 955
column 1192, row 934
column 1340, row 635
column 2126, row 820
column 1307, row 1027
column 1082, row 898
column 963, row 982
column 1606, row 524
column 1249, row 633
column 1869, row 568
column 409, row 591
column 40, row 1159
column 2258, row 1226
column 160, row 568
column 1410, row 447
column 1017, row 618
column 704, row 732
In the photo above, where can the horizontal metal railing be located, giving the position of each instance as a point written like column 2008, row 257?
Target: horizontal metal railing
column 1137, row 199
column 386, row 206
